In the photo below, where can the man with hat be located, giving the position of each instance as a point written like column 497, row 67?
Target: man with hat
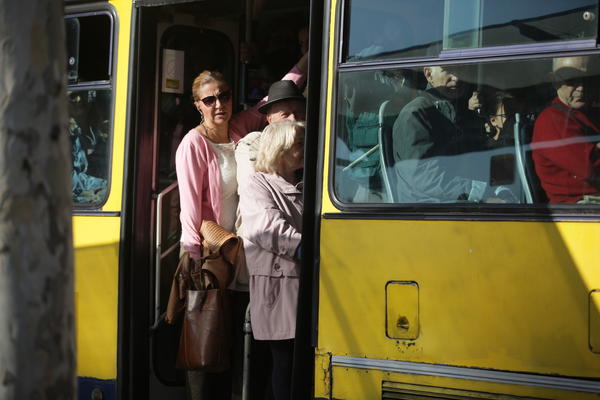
column 285, row 102
column 565, row 144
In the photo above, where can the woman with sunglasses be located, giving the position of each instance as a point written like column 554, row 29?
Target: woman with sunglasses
column 206, row 173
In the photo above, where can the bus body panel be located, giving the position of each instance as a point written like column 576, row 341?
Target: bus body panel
column 96, row 283
column 511, row 296
column 508, row 299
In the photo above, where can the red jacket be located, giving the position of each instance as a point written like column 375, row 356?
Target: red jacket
column 565, row 154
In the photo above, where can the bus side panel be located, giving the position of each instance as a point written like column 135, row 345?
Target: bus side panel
column 510, row 296
column 96, row 286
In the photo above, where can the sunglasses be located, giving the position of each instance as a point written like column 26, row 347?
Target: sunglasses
column 223, row 97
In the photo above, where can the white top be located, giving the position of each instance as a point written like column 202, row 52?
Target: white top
column 245, row 156
column 229, row 195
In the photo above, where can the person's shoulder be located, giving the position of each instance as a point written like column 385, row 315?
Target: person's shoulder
column 192, row 138
column 194, row 143
column 418, row 103
column 415, row 107
column 256, row 182
column 249, row 139
column 260, row 178
column 550, row 113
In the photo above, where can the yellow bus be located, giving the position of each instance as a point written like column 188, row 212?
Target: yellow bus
column 450, row 263
column 487, row 292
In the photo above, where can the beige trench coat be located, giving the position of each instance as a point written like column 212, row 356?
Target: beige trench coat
column 271, row 211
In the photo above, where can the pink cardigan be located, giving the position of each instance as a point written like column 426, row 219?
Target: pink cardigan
column 198, row 172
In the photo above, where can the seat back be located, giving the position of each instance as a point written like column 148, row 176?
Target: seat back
column 523, row 133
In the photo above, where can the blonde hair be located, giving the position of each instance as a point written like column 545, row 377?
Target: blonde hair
column 275, row 140
column 206, row 77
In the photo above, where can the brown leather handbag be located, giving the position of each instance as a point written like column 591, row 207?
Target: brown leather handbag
column 205, row 342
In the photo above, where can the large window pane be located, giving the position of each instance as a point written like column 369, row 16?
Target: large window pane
column 505, row 132
column 406, row 28
column 89, row 48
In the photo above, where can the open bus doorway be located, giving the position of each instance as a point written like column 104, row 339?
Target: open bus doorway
column 176, row 42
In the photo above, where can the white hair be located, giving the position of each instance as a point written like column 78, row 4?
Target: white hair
column 275, row 140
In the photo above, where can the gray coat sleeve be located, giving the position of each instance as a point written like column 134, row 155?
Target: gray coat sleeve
column 426, row 160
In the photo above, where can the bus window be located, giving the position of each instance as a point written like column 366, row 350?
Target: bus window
column 89, row 46
column 471, row 133
column 89, row 128
column 390, row 29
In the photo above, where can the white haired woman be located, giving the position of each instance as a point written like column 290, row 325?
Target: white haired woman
column 271, row 208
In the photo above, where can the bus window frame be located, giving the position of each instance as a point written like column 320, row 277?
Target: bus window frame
column 86, row 10
column 448, row 211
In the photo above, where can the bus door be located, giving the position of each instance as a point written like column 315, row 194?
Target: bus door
column 459, row 237
column 177, row 42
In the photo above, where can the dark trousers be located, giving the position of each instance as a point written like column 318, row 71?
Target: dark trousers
column 282, row 354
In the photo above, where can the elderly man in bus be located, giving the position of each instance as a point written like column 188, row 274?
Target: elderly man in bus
column 285, row 103
column 566, row 136
column 436, row 144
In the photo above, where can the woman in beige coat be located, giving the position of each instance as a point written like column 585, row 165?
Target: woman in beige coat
column 271, row 209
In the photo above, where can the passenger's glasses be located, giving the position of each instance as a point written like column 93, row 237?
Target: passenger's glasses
column 223, row 97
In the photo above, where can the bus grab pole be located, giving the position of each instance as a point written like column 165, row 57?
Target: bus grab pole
column 247, row 343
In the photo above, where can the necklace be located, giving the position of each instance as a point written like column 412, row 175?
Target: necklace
column 215, row 140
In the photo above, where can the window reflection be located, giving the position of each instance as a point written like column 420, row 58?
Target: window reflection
column 381, row 29
column 89, row 128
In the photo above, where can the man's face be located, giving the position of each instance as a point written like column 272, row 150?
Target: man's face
column 287, row 110
column 571, row 93
column 444, row 81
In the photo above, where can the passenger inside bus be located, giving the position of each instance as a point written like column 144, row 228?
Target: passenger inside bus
column 566, row 139
column 88, row 127
column 429, row 133
column 285, row 103
column 498, row 108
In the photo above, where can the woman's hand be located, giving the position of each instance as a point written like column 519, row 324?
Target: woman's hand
column 474, row 103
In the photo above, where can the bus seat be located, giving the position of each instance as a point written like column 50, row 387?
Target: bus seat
column 523, row 133
column 388, row 112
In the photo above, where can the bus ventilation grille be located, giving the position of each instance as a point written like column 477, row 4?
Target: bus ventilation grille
column 404, row 391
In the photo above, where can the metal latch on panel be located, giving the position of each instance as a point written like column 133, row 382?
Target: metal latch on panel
column 402, row 310
column 594, row 310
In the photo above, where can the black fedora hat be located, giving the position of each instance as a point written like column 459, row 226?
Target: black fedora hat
column 281, row 90
column 569, row 73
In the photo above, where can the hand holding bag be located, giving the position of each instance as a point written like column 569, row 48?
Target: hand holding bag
column 205, row 342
